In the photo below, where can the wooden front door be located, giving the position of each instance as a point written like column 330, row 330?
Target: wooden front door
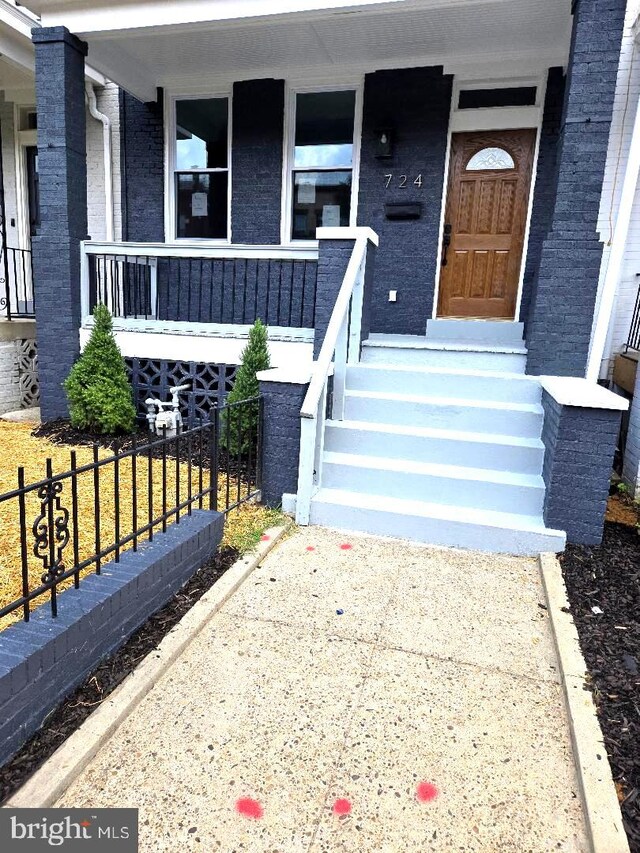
column 487, row 203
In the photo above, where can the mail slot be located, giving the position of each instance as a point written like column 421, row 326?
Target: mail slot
column 403, row 210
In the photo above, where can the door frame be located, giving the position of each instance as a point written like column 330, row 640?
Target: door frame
column 492, row 119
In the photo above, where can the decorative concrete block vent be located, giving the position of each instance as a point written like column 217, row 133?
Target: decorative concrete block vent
column 210, row 384
column 42, row 661
column 19, row 387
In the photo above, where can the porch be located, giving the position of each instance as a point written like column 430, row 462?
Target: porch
column 389, row 195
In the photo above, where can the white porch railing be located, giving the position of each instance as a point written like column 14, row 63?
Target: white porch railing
column 341, row 347
column 226, row 284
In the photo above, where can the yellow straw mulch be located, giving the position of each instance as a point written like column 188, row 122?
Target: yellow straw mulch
column 19, row 448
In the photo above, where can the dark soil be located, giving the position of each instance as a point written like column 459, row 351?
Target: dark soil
column 65, row 719
column 608, row 577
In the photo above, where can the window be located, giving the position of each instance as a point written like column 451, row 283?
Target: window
column 201, row 173
column 490, row 158
column 323, row 156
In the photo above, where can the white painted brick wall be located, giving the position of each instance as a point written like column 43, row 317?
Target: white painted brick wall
column 9, row 166
column 107, row 99
column 624, row 112
column 9, row 380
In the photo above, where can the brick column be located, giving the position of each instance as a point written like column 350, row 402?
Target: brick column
column 564, row 291
column 62, row 165
column 283, row 394
column 581, row 426
column 333, row 259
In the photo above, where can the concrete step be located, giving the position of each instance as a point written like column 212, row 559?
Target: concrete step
column 416, row 351
column 435, row 524
column 519, row 419
column 433, row 482
column 456, row 447
column 447, row 382
column 487, row 332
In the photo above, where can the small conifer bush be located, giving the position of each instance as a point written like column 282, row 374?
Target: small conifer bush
column 239, row 424
column 99, row 393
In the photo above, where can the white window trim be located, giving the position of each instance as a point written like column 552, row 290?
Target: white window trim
column 291, row 92
column 170, row 227
column 494, row 118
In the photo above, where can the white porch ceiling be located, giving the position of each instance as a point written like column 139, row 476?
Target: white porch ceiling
column 200, row 56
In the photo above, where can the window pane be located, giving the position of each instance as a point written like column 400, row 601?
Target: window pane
column 202, row 205
column 324, row 129
column 320, row 199
column 201, row 133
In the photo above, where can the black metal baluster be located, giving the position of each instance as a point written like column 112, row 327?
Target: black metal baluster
column 200, row 295
column 96, row 504
column 201, row 465
column 189, row 451
column 189, row 289
column 177, row 443
column 74, row 517
column 293, row 263
column 221, row 320
column 253, row 408
column 214, row 433
column 241, row 411
column 51, row 538
column 227, row 424
column 164, row 479
column 267, row 306
column 179, row 313
column 24, row 560
column 244, row 291
column 233, row 291
column 116, row 501
column 150, row 490
column 255, row 293
column 278, row 323
column 304, row 292
column 134, row 491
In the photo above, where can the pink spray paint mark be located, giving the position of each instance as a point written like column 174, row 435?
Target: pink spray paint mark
column 426, row 792
column 310, row 548
column 265, row 538
column 346, row 547
column 341, row 807
column 249, row 808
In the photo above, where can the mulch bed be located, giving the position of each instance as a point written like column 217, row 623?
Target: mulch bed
column 108, row 675
column 608, row 577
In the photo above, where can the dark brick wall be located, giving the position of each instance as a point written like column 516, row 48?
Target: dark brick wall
column 579, row 447
column 333, row 259
column 544, row 191
column 565, row 288
column 43, row 660
column 62, row 163
column 258, row 127
column 142, row 169
column 280, row 439
column 415, row 104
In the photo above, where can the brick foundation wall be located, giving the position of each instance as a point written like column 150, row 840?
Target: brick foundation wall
column 631, row 463
column 43, row 660
column 579, row 447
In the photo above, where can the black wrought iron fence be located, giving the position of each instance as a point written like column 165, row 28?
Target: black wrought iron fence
column 633, row 340
column 56, row 530
column 16, row 284
column 278, row 291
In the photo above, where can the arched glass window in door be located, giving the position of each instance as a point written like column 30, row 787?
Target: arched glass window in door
column 490, row 158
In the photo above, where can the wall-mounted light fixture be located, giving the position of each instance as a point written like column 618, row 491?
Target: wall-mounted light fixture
column 384, row 142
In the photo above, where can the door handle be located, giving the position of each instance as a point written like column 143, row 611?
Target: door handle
column 446, row 242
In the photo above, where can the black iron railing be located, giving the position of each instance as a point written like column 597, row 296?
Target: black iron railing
column 69, row 524
column 280, row 291
column 633, row 340
column 16, row 284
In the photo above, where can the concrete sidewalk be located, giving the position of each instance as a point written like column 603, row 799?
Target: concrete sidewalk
column 439, row 669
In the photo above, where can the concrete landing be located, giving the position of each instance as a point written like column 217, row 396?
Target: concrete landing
column 439, row 669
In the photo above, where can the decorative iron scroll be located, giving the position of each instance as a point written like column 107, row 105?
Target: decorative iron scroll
column 51, row 531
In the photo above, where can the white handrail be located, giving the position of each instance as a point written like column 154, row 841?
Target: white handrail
column 340, row 347
column 200, row 250
column 322, row 366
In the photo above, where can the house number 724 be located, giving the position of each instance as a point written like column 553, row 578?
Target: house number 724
column 402, row 181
